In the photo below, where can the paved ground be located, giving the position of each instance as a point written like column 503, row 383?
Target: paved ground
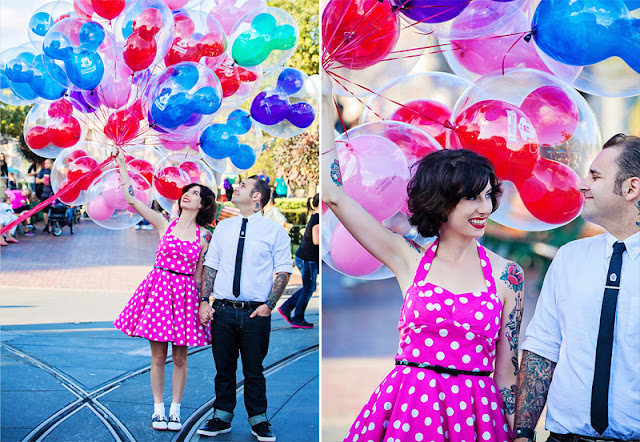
column 68, row 375
column 359, row 342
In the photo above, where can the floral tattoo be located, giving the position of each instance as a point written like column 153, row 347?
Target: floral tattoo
column 336, row 175
column 513, row 276
column 131, row 192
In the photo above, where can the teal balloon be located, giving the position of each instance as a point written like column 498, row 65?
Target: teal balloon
column 264, row 23
column 253, row 47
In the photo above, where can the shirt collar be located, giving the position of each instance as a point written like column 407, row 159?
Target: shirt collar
column 632, row 245
column 252, row 218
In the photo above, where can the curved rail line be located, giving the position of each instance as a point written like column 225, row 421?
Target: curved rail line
column 117, row 428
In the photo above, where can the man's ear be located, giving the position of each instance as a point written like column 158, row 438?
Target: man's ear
column 631, row 188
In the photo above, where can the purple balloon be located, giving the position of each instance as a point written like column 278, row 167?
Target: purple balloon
column 270, row 108
column 301, row 115
column 290, row 81
column 431, row 11
column 80, row 103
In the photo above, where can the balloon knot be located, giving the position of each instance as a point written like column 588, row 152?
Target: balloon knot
column 349, row 147
column 447, row 124
column 527, row 37
column 348, row 36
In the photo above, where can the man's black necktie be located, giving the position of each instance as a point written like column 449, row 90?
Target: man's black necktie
column 604, row 348
column 236, row 275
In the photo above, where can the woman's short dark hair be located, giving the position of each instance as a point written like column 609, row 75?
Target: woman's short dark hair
column 207, row 212
column 441, row 180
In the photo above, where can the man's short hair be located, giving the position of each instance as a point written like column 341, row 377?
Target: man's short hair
column 629, row 160
column 262, row 188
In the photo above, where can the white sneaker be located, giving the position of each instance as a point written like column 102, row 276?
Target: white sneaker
column 174, row 423
column 159, row 422
column 138, row 227
column 147, row 227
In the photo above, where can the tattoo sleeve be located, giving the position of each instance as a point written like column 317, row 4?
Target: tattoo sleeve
column 533, row 385
column 279, row 284
column 414, row 245
column 509, row 399
column 513, row 276
column 336, row 175
column 131, row 191
column 208, row 278
column 199, row 288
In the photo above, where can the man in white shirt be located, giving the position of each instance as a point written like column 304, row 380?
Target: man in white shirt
column 579, row 349
column 243, row 256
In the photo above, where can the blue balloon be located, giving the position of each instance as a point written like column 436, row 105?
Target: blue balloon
column 270, row 108
column 244, row 157
column 47, row 80
column 171, row 110
column 29, row 79
column 290, row 81
column 240, row 121
column 586, row 32
column 207, row 100
column 218, row 141
column 4, row 81
column 186, row 75
column 57, row 46
column 128, row 29
column 40, row 23
column 91, row 36
column 84, row 69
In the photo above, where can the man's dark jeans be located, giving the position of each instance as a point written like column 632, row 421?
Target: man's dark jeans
column 232, row 331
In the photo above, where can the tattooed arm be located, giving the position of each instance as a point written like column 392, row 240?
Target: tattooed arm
column 145, row 211
column 388, row 247
column 510, row 287
column 534, row 379
column 279, row 284
column 205, row 312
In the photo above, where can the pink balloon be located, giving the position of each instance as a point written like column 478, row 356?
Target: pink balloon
column 228, row 12
column 112, row 193
column 98, row 209
column 114, row 90
column 143, row 197
column 374, row 173
column 176, row 4
column 349, row 256
column 553, row 113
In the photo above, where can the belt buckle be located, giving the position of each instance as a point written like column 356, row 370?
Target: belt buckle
column 238, row 305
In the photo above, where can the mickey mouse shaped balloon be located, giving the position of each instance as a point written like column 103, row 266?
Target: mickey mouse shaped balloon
column 232, row 143
column 267, row 37
column 80, row 45
column 284, row 102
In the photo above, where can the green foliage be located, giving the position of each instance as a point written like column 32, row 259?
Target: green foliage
column 298, row 158
column 11, row 125
column 291, row 203
column 306, row 14
column 295, row 216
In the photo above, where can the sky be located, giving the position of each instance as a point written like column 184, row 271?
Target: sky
column 14, row 19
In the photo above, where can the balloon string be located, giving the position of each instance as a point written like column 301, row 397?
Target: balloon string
column 504, row 59
column 457, row 8
column 52, row 198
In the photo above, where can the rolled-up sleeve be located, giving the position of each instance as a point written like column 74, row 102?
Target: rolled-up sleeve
column 212, row 257
column 282, row 261
column 543, row 336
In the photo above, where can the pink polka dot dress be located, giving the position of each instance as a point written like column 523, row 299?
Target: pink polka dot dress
column 165, row 306
column 440, row 328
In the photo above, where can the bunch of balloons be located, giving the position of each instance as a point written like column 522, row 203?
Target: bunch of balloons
column 513, row 97
column 162, row 80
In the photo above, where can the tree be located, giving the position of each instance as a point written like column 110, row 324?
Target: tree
column 298, row 156
column 306, row 14
column 11, row 125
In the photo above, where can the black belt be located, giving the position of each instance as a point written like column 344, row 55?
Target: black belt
column 441, row 369
column 173, row 271
column 578, row 438
column 239, row 304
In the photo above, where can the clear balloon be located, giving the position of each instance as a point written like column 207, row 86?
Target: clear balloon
column 26, row 76
column 229, row 12
column 198, row 38
column 73, row 167
column 601, row 38
column 173, row 173
column 233, row 143
column 51, row 127
column 374, row 169
column 185, row 98
column 105, row 202
column 284, row 102
column 145, row 29
column 540, row 135
column 267, row 37
column 44, row 18
column 423, row 100
column 237, row 82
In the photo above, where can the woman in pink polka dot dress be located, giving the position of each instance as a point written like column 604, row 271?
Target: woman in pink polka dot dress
column 164, row 308
column 455, row 369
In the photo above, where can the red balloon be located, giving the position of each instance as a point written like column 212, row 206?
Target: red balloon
column 358, row 33
column 553, row 114
column 170, row 181
column 108, row 8
column 551, row 192
column 76, row 154
column 211, row 45
column 138, row 52
column 37, row 137
column 148, row 23
column 192, row 170
column 144, row 168
column 71, row 195
column 60, row 108
column 502, row 133
column 79, row 172
column 65, row 133
column 122, row 126
column 231, row 76
column 430, row 116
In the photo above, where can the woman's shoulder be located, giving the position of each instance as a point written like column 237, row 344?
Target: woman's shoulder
column 507, row 271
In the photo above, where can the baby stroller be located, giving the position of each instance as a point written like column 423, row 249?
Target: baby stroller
column 61, row 215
